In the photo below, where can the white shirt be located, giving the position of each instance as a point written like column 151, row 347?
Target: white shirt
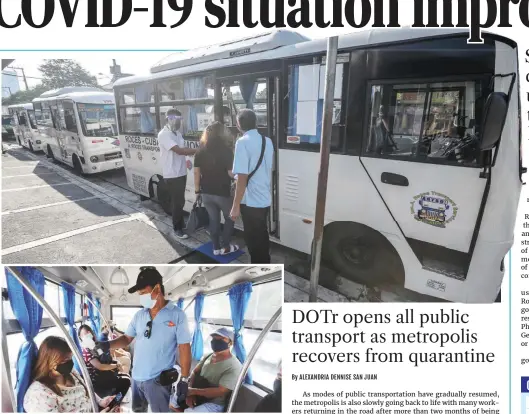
column 173, row 164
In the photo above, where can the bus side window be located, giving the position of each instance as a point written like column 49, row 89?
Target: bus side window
column 306, row 90
column 22, row 119
column 32, row 120
column 69, row 117
column 434, row 122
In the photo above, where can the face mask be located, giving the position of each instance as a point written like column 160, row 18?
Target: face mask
column 218, row 345
column 65, row 368
column 88, row 342
column 146, row 301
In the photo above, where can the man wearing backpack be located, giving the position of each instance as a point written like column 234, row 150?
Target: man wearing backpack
column 252, row 165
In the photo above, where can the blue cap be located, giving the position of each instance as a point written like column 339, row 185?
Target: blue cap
column 224, row 332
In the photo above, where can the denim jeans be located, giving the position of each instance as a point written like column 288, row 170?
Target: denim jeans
column 205, row 408
column 215, row 205
column 150, row 393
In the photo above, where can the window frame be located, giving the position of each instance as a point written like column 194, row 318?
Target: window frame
column 65, row 104
column 309, row 60
column 482, row 78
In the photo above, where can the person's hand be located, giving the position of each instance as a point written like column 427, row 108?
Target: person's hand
column 105, row 401
column 191, row 401
column 235, row 212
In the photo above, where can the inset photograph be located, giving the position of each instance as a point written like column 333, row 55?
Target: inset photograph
column 141, row 339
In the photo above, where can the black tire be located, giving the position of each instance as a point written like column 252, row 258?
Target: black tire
column 49, row 154
column 361, row 254
column 19, row 142
column 144, row 198
column 31, row 147
column 77, row 165
column 164, row 197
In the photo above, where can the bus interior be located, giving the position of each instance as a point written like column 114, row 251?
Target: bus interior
column 102, row 301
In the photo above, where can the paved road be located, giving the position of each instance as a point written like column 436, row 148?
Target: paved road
column 50, row 215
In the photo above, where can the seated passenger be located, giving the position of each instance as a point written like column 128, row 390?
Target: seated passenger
column 106, row 378
column 272, row 402
column 213, row 379
column 55, row 387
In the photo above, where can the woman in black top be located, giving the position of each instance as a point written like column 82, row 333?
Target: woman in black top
column 213, row 176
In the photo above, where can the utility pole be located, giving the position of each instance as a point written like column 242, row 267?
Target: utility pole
column 325, row 150
column 23, row 76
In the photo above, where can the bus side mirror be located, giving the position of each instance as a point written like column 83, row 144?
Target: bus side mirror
column 494, row 115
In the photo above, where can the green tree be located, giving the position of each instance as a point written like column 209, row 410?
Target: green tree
column 24, row 96
column 60, row 73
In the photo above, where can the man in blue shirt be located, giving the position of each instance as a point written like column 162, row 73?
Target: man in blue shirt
column 253, row 195
column 159, row 329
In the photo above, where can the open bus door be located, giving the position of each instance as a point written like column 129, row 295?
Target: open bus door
column 259, row 92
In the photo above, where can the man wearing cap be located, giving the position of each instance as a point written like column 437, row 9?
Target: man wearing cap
column 213, row 379
column 160, row 329
column 173, row 155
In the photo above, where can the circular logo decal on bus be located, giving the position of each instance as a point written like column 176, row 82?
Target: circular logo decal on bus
column 434, row 208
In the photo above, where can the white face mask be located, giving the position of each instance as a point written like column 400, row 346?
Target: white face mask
column 88, row 342
column 146, row 301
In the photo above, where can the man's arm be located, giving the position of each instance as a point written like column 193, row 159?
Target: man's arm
column 184, row 151
column 184, row 351
column 242, row 182
column 121, row 342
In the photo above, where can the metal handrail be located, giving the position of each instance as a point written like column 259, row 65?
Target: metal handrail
column 40, row 300
column 189, row 304
column 5, row 356
column 250, row 357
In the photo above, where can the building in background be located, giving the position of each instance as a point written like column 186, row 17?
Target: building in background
column 10, row 83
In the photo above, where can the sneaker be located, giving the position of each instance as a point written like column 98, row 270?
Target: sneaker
column 217, row 252
column 180, row 234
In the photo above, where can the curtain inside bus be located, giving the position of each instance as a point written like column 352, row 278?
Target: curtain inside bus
column 97, row 317
column 180, row 303
column 68, row 296
column 248, row 89
column 143, row 94
column 197, row 344
column 194, row 88
column 29, row 315
column 239, row 298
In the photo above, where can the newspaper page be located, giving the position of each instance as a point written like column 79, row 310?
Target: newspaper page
column 390, row 185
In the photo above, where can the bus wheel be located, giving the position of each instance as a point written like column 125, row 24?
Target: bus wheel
column 164, row 197
column 19, row 141
column 361, row 254
column 31, row 147
column 77, row 165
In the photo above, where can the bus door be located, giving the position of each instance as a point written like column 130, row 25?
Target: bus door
column 421, row 153
column 260, row 93
column 70, row 133
column 56, row 109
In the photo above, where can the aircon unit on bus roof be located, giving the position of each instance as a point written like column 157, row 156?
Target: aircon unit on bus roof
column 231, row 49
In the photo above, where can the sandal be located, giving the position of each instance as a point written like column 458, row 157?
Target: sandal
column 233, row 248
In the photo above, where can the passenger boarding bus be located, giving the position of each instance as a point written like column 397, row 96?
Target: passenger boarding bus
column 78, row 128
column 25, row 126
column 413, row 119
column 61, row 299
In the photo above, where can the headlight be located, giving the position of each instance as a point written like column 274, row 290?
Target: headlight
column 94, row 158
column 38, row 141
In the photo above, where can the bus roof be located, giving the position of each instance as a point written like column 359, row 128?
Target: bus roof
column 21, row 106
column 68, row 90
column 189, row 63
column 99, row 97
column 230, row 49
